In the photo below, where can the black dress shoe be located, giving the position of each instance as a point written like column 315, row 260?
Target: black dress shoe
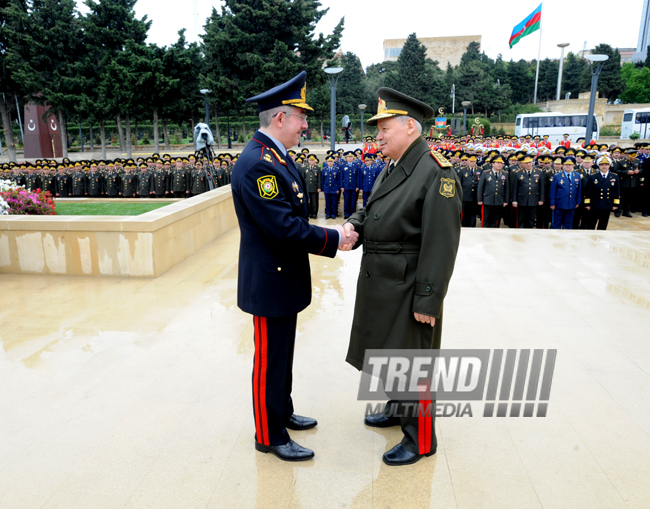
column 381, row 420
column 290, row 451
column 300, row 423
column 627, row 215
column 617, row 214
column 399, row 456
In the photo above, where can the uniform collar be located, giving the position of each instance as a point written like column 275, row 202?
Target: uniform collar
column 280, row 146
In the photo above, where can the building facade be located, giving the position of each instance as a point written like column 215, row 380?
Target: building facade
column 442, row 49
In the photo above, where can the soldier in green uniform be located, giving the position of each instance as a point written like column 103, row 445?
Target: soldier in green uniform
column 128, row 182
column 78, row 180
column 220, row 176
column 112, row 179
column 159, row 178
column 48, row 182
column 199, row 179
column 628, row 171
column 493, row 193
column 469, row 177
column 181, row 180
column 145, row 189
column 312, row 182
column 33, row 178
column 63, row 183
column 95, row 183
column 527, row 193
column 410, row 230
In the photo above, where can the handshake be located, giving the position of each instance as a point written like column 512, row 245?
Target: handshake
column 348, row 236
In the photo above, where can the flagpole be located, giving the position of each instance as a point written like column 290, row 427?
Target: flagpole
column 539, row 50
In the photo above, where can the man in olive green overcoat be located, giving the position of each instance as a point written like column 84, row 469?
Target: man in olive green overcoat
column 410, row 231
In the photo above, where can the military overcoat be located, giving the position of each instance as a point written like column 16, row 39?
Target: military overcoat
column 410, row 230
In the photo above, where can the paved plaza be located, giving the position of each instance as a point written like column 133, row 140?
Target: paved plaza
column 118, row 392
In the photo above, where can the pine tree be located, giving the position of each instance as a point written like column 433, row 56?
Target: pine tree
column 574, row 67
column 54, row 42
column 349, row 90
column 521, row 80
column 12, row 29
column 610, row 83
column 184, row 64
column 412, row 77
column 113, row 35
column 253, row 45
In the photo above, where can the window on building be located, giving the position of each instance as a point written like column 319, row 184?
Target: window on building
column 394, row 52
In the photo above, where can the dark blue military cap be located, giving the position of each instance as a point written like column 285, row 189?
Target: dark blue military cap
column 292, row 93
column 568, row 160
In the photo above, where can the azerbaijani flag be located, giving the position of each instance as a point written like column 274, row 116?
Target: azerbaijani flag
column 528, row 26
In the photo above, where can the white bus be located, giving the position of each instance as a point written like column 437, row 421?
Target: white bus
column 555, row 125
column 636, row 121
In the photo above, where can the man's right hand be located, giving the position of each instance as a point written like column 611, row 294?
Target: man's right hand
column 348, row 236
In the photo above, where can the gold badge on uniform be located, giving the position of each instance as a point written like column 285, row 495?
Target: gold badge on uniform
column 268, row 158
column 267, row 186
column 447, row 187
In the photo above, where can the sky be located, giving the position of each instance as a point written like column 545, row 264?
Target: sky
column 368, row 24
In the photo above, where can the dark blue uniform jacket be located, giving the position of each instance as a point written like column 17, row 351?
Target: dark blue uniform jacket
column 276, row 238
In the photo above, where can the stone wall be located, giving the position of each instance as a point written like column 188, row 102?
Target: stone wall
column 147, row 245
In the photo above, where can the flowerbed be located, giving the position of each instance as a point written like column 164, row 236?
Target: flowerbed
column 16, row 200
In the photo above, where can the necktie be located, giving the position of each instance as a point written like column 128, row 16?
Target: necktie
column 391, row 168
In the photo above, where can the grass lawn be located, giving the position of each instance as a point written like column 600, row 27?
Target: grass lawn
column 105, row 209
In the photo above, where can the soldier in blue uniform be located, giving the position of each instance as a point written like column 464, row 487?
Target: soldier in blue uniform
column 368, row 175
column 350, row 183
column 565, row 195
column 330, row 184
column 274, row 282
column 602, row 194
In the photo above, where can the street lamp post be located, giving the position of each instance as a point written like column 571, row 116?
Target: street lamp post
column 453, row 99
column 362, row 107
column 333, row 78
column 205, row 93
column 229, row 135
column 600, row 61
column 559, row 74
column 465, row 105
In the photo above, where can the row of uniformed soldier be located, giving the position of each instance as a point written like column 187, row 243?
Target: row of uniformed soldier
column 548, row 190
column 354, row 173
column 153, row 177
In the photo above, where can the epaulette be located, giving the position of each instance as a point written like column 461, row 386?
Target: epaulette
column 277, row 156
column 440, row 159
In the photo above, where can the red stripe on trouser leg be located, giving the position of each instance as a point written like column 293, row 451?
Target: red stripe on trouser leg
column 482, row 214
column 424, row 421
column 256, row 382
column 265, row 422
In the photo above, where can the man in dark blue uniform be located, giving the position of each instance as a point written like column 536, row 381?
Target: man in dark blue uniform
column 350, row 184
column 274, row 282
column 368, row 175
column 330, row 184
column 602, row 194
